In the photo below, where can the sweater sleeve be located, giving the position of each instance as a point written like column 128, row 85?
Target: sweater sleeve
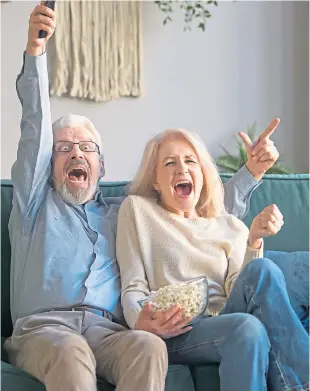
column 240, row 255
column 133, row 277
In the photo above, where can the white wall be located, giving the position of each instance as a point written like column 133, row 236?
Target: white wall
column 251, row 64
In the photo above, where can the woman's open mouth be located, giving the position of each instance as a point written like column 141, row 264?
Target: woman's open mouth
column 77, row 175
column 183, row 188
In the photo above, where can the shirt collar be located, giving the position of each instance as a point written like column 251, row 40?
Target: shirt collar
column 99, row 198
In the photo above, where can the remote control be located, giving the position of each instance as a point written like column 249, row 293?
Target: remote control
column 51, row 5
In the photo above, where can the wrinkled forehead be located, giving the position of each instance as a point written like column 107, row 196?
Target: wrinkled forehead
column 175, row 146
column 73, row 134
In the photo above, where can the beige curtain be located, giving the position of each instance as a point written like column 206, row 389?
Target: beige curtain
column 95, row 51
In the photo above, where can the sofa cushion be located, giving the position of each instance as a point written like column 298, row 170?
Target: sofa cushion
column 6, row 206
column 206, row 377
column 179, row 378
column 13, row 379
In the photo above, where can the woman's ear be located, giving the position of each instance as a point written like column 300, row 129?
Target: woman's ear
column 156, row 187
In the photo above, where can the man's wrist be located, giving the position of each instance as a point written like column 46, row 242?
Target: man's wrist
column 35, row 50
column 258, row 177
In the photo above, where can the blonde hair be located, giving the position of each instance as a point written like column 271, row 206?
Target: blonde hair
column 211, row 201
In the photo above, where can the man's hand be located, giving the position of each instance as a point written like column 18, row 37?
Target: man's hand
column 267, row 223
column 41, row 18
column 262, row 154
column 164, row 324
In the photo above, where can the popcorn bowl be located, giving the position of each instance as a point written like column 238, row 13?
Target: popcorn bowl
column 192, row 296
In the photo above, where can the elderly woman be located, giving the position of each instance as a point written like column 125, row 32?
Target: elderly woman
column 173, row 227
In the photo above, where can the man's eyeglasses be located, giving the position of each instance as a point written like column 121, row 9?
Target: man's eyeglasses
column 85, row 146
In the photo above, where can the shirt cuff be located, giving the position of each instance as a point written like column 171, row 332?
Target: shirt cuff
column 245, row 182
column 33, row 64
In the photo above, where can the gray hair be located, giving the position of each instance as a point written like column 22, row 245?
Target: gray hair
column 74, row 120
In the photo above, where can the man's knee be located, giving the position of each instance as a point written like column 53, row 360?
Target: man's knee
column 51, row 351
column 72, row 351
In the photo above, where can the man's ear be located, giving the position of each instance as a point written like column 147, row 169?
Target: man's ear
column 102, row 168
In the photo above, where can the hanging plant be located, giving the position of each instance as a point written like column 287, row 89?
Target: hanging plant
column 194, row 11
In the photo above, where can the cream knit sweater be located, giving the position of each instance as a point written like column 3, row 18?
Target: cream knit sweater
column 156, row 248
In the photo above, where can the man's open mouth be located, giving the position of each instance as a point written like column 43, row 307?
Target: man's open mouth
column 183, row 188
column 77, row 174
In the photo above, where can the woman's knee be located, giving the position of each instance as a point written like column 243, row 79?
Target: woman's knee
column 263, row 266
column 251, row 331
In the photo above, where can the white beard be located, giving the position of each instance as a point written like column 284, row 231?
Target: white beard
column 79, row 197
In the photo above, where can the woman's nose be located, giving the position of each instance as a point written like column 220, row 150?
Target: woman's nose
column 181, row 168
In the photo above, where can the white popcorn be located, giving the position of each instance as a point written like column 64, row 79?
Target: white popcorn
column 191, row 297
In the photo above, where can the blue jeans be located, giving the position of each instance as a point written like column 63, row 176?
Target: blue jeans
column 257, row 339
column 296, row 274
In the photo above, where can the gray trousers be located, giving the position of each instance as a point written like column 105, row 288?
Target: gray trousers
column 66, row 349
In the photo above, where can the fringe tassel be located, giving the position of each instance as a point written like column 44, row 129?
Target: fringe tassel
column 96, row 50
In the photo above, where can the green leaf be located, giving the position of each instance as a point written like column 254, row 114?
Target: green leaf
column 202, row 26
column 251, row 131
column 231, row 163
column 243, row 155
column 226, row 151
column 192, row 10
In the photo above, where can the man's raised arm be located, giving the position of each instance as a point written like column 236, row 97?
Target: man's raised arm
column 31, row 170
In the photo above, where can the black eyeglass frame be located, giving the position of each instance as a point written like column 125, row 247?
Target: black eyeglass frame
column 78, row 143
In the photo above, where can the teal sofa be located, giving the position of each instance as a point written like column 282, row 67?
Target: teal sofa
column 290, row 193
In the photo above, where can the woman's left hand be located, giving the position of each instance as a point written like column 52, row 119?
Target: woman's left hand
column 267, row 223
column 262, row 153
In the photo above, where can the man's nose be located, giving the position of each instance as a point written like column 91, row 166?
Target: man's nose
column 76, row 153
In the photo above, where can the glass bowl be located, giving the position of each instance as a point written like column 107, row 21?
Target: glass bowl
column 192, row 296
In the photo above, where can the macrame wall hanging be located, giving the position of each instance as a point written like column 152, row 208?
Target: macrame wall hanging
column 96, row 49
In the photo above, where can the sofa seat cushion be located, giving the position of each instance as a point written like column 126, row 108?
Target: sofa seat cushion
column 13, row 379
column 206, row 377
column 179, row 378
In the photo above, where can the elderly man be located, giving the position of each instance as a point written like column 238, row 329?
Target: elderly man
column 65, row 288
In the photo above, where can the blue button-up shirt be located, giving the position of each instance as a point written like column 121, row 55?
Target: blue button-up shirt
column 64, row 255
